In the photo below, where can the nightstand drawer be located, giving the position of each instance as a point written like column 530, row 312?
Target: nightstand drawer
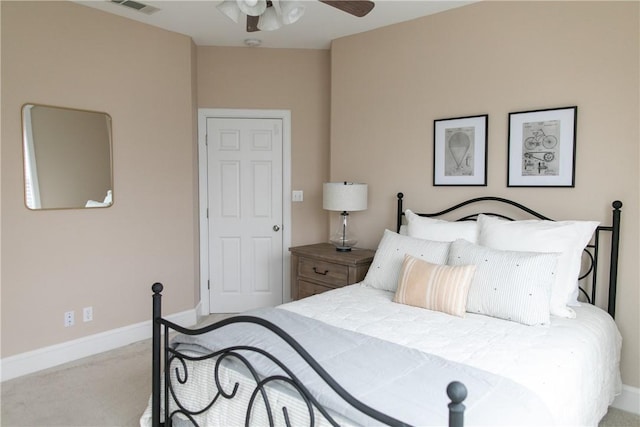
column 306, row 289
column 326, row 272
column 318, row 268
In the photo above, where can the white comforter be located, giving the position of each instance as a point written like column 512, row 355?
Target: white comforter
column 573, row 365
column 403, row 383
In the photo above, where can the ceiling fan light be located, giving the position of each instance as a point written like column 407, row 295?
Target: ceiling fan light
column 269, row 20
column 290, row 11
column 231, row 9
column 252, row 7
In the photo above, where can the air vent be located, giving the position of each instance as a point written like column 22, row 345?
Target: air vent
column 140, row 7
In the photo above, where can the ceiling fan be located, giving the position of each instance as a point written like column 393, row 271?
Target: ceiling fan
column 272, row 14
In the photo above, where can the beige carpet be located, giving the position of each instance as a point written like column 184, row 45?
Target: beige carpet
column 112, row 389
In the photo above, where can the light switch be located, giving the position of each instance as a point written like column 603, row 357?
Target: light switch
column 297, row 196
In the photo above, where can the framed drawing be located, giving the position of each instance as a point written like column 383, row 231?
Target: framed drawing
column 542, row 148
column 460, row 151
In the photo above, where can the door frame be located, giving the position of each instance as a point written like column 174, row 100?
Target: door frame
column 203, row 115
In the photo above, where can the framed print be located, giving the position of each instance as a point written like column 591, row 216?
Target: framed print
column 460, row 151
column 542, row 148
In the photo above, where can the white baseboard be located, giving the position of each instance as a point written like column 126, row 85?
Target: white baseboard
column 201, row 310
column 628, row 400
column 47, row 357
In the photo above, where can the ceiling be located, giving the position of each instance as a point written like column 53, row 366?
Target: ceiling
column 200, row 20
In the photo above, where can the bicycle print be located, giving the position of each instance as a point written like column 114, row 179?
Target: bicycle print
column 539, row 138
column 540, row 148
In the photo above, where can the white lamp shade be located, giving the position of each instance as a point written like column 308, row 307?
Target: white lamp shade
column 344, row 196
column 269, row 20
column 252, row 7
column 231, row 9
column 290, row 11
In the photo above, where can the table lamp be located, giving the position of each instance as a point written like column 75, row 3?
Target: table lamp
column 344, row 197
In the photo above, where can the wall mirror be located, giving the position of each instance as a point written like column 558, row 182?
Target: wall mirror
column 67, row 158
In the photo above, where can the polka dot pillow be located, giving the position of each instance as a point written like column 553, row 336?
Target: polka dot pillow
column 510, row 285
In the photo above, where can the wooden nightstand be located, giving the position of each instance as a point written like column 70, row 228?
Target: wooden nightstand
column 319, row 268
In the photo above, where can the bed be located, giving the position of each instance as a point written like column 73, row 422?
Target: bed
column 435, row 334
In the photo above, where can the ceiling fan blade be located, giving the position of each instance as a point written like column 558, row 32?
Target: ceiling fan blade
column 357, row 8
column 252, row 23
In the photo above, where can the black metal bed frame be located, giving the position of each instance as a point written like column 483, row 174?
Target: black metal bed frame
column 592, row 250
column 164, row 357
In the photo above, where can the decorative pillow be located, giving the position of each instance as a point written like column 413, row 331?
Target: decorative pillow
column 567, row 238
column 387, row 262
column 507, row 284
column 434, row 286
column 440, row 230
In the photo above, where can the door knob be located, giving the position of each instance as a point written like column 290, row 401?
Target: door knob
column 276, row 228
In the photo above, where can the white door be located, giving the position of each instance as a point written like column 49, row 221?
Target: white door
column 244, row 186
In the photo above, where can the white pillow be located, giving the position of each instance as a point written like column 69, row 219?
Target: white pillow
column 567, row 238
column 440, row 230
column 509, row 285
column 387, row 262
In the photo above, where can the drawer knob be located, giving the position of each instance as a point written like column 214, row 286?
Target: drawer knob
column 324, row 273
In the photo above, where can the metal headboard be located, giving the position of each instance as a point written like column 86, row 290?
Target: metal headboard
column 592, row 250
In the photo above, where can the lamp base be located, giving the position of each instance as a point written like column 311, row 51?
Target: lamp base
column 343, row 238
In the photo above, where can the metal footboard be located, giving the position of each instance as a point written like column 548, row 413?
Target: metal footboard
column 167, row 359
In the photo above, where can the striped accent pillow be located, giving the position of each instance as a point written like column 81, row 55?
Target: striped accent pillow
column 510, row 285
column 434, row 286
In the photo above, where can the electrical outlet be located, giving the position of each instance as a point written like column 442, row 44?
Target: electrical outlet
column 87, row 314
column 69, row 319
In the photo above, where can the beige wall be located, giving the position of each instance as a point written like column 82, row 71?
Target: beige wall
column 64, row 54
column 494, row 58
column 284, row 79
